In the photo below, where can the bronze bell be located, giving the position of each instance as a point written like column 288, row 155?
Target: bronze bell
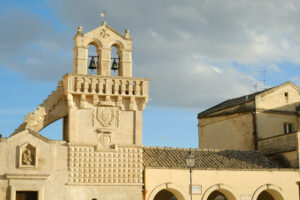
column 114, row 65
column 92, row 65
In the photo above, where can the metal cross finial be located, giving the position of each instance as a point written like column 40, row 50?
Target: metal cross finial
column 103, row 15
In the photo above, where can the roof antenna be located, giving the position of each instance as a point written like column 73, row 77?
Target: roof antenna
column 264, row 79
column 255, row 87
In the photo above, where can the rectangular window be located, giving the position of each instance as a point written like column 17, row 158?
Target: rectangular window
column 288, row 128
column 26, row 195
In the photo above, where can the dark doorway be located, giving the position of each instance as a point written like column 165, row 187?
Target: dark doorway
column 165, row 195
column 216, row 195
column 26, row 195
column 265, row 196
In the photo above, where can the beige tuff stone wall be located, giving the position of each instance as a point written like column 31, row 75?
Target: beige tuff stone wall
column 234, row 184
column 276, row 99
column 282, row 149
column 59, row 171
column 105, row 111
column 288, row 159
column 46, row 174
column 227, row 132
column 271, row 124
column 118, row 166
column 276, row 107
column 278, row 144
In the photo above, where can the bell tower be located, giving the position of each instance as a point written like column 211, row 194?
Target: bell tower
column 103, row 38
column 104, row 110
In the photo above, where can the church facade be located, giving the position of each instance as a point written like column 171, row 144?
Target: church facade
column 101, row 156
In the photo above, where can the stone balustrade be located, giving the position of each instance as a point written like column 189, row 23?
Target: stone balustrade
column 105, row 85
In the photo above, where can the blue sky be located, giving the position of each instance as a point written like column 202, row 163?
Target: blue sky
column 196, row 54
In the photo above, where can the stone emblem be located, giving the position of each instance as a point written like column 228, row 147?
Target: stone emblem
column 105, row 140
column 106, row 119
column 104, row 33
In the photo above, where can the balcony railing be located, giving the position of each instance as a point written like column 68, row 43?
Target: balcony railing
column 105, row 85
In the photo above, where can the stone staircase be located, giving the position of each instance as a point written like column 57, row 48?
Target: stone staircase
column 36, row 120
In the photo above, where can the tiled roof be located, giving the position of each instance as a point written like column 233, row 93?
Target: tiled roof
column 240, row 100
column 229, row 103
column 162, row 157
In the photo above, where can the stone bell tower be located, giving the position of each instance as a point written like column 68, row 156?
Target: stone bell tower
column 104, row 110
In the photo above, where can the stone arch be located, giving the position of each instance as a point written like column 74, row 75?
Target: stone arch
column 226, row 190
column 119, row 47
column 171, row 187
column 98, row 45
column 273, row 190
column 94, row 41
column 118, row 44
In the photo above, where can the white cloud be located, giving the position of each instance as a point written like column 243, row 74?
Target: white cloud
column 273, row 67
column 186, row 48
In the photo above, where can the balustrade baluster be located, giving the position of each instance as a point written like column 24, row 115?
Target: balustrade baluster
column 108, row 86
column 130, row 89
column 93, row 85
column 123, row 87
column 78, row 84
column 100, row 86
column 137, row 88
column 116, row 86
column 86, row 85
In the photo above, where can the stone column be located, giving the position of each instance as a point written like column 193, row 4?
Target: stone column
column 104, row 62
column 125, row 63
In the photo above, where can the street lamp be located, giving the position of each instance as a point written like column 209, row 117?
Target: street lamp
column 190, row 162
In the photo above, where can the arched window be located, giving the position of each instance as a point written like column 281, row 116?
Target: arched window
column 115, row 60
column 216, row 195
column 92, row 61
column 165, row 195
column 265, row 196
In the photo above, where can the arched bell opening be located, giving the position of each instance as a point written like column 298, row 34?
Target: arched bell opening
column 269, row 195
column 93, row 61
column 115, row 60
column 165, row 195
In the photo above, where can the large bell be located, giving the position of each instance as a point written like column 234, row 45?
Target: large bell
column 114, row 65
column 92, row 65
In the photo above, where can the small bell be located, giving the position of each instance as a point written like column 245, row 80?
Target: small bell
column 92, row 65
column 114, row 65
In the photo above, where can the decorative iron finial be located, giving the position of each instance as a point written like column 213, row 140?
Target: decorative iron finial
column 103, row 16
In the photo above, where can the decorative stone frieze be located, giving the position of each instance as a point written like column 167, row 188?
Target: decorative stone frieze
column 118, row 166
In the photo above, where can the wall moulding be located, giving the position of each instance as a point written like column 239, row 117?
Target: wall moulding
column 27, row 176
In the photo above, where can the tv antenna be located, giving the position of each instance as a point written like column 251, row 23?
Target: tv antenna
column 263, row 80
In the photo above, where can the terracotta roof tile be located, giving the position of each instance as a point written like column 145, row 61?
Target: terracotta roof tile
column 162, row 157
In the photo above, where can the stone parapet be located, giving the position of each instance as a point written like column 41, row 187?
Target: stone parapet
column 107, row 89
column 278, row 144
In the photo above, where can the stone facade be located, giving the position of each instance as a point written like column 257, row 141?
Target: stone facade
column 266, row 121
column 101, row 156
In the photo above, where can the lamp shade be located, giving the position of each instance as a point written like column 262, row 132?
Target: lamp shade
column 190, row 160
